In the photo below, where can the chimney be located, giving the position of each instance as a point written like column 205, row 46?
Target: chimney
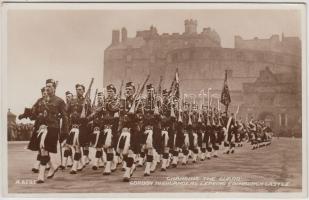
column 115, row 37
column 124, row 34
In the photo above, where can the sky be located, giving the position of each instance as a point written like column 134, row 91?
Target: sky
column 68, row 45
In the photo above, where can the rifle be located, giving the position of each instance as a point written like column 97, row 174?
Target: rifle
column 94, row 99
column 87, row 96
column 120, row 90
column 116, row 115
column 137, row 96
column 159, row 87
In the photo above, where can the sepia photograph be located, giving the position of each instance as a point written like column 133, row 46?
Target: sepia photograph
column 133, row 99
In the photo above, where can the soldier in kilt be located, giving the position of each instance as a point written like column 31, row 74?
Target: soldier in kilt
column 209, row 133
column 67, row 150
column 37, row 108
column 168, row 133
column 193, row 133
column 203, row 133
column 216, row 130
column 151, row 132
column 128, row 145
column 185, row 128
column 105, row 129
column 79, row 136
column 253, row 134
column 48, row 113
column 230, row 131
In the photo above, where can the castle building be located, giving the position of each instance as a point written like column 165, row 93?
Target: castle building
column 200, row 59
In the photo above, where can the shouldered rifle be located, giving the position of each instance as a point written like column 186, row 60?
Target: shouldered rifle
column 94, row 100
column 87, row 96
column 138, row 95
column 120, row 89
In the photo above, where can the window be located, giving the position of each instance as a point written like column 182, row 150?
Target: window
column 283, row 119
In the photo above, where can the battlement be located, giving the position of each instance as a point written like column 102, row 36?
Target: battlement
column 208, row 37
column 190, row 26
column 290, row 45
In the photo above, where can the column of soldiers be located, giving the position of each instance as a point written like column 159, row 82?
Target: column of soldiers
column 132, row 131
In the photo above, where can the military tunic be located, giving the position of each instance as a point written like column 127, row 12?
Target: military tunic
column 49, row 112
column 75, row 108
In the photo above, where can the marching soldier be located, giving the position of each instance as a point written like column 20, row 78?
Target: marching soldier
column 151, row 137
column 203, row 133
column 168, row 134
column 253, row 134
column 79, row 135
column 215, row 136
column 108, row 123
column 31, row 113
column 193, row 132
column 67, row 153
column 129, row 141
column 209, row 132
column 49, row 112
column 97, row 134
column 229, row 142
column 186, row 125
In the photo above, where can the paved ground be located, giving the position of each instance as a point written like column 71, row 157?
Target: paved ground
column 276, row 168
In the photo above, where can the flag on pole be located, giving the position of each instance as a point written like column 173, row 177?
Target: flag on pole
column 225, row 95
column 177, row 92
column 174, row 89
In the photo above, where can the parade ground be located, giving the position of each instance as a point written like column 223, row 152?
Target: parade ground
column 275, row 168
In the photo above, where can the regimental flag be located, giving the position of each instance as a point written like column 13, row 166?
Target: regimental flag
column 174, row 89
column 225, row 95
column 177, row 92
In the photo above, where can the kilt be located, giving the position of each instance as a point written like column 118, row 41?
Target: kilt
column 191, row 141
column 206, row 138
column 179, row 132
column 200, row 138
column 135, row 141
column 156, row 138
column 165, row 141
column 171, row 135
column 50, row 143
column 84, row 137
